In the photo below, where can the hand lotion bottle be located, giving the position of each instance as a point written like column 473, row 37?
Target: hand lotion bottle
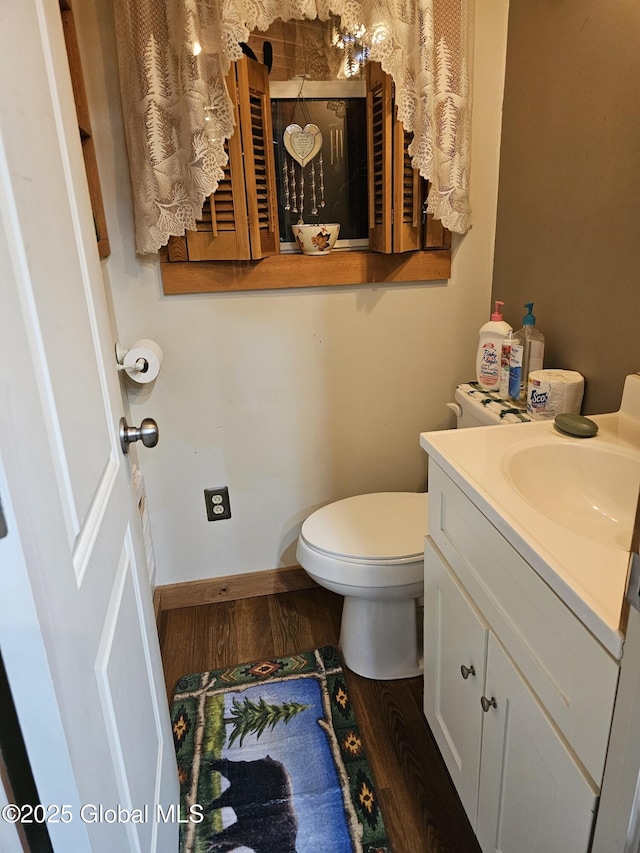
column 491, row 336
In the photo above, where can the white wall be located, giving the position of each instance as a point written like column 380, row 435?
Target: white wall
column 298, row 397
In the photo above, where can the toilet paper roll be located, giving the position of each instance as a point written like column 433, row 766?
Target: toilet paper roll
column 143, row 361
column 553, row 392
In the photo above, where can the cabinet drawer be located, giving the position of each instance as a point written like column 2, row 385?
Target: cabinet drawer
column 574, row 677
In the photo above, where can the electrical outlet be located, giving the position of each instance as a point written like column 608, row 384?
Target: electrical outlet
column 217, row 501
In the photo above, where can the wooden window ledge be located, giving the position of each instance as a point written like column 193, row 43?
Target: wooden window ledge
column 340, row 267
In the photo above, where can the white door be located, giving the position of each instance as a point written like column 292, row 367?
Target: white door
column 77, row 632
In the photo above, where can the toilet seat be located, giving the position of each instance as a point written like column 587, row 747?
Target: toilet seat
column 383, row 528
column 371, row 541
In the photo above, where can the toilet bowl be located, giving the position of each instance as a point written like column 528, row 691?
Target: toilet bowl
column 370, row 549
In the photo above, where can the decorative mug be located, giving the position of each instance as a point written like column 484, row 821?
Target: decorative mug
column 316, row 239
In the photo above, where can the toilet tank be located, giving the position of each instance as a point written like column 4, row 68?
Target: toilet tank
column 475, row 407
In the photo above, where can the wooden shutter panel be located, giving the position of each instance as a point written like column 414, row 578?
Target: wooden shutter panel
column 436, row 235
column 259, row 163
column 223, row 232
column 412, row 229
column 239, row 221
column 409, row 194
column 379, row 145
column 397, row 192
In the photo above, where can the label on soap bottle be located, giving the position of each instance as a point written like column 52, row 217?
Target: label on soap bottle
column 489, row 374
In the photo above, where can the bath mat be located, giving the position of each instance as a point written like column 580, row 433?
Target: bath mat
column 270, row 760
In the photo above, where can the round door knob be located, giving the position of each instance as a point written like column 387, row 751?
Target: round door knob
column 467, row 671
column 147, row 432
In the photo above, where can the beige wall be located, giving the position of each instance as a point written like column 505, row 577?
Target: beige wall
column 569, row 197
column 291, row 398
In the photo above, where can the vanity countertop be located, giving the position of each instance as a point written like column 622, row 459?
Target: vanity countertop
column 590, row 576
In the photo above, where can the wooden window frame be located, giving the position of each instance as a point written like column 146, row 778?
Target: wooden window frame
column 396, row 260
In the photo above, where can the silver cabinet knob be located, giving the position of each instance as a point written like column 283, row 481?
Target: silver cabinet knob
column 488, row 703
column 147, row 432
column 467, row 671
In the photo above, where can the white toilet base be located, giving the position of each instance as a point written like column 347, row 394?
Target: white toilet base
column 379, row 639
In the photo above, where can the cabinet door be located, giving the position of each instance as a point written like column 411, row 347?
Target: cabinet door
column 455, row 636
column 533, row 796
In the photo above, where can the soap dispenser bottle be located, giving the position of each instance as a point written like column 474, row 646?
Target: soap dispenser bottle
column 491, row 337
column 527, row 354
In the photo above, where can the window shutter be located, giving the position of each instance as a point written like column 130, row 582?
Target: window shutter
column 379, row 142
column 397, row 192
column 409, row 194
column 437, row 236
column 223, row 231
column 239, row 221
column 259, row 163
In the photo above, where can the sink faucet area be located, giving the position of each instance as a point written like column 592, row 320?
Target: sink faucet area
column 566, row 504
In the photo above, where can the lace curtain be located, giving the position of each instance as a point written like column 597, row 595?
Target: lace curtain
column 174, row 56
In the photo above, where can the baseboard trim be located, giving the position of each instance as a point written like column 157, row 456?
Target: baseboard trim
column 231, row 588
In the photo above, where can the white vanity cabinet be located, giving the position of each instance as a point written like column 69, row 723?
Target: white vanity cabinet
column 518, row 693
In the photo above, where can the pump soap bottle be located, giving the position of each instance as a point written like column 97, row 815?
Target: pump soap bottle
column 491, row 335
column 527, row 354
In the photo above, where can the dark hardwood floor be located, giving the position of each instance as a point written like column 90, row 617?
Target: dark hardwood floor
column 421, row 809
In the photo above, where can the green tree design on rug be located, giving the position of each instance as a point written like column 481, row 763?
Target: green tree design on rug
column 255, row 717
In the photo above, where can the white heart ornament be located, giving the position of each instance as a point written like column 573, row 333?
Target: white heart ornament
column 303, row 143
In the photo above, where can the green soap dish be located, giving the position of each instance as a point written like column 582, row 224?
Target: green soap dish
column 576, row 425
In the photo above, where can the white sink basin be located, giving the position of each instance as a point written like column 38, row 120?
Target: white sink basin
column 588, row 487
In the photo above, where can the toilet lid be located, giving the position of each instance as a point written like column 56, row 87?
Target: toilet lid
column 376, row 527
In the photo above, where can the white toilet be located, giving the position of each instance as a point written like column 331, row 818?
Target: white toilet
column 370, row 549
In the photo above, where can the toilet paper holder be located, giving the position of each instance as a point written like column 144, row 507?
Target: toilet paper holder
column 141, row 362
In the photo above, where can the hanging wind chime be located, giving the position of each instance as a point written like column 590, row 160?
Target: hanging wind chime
column 303, row 145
